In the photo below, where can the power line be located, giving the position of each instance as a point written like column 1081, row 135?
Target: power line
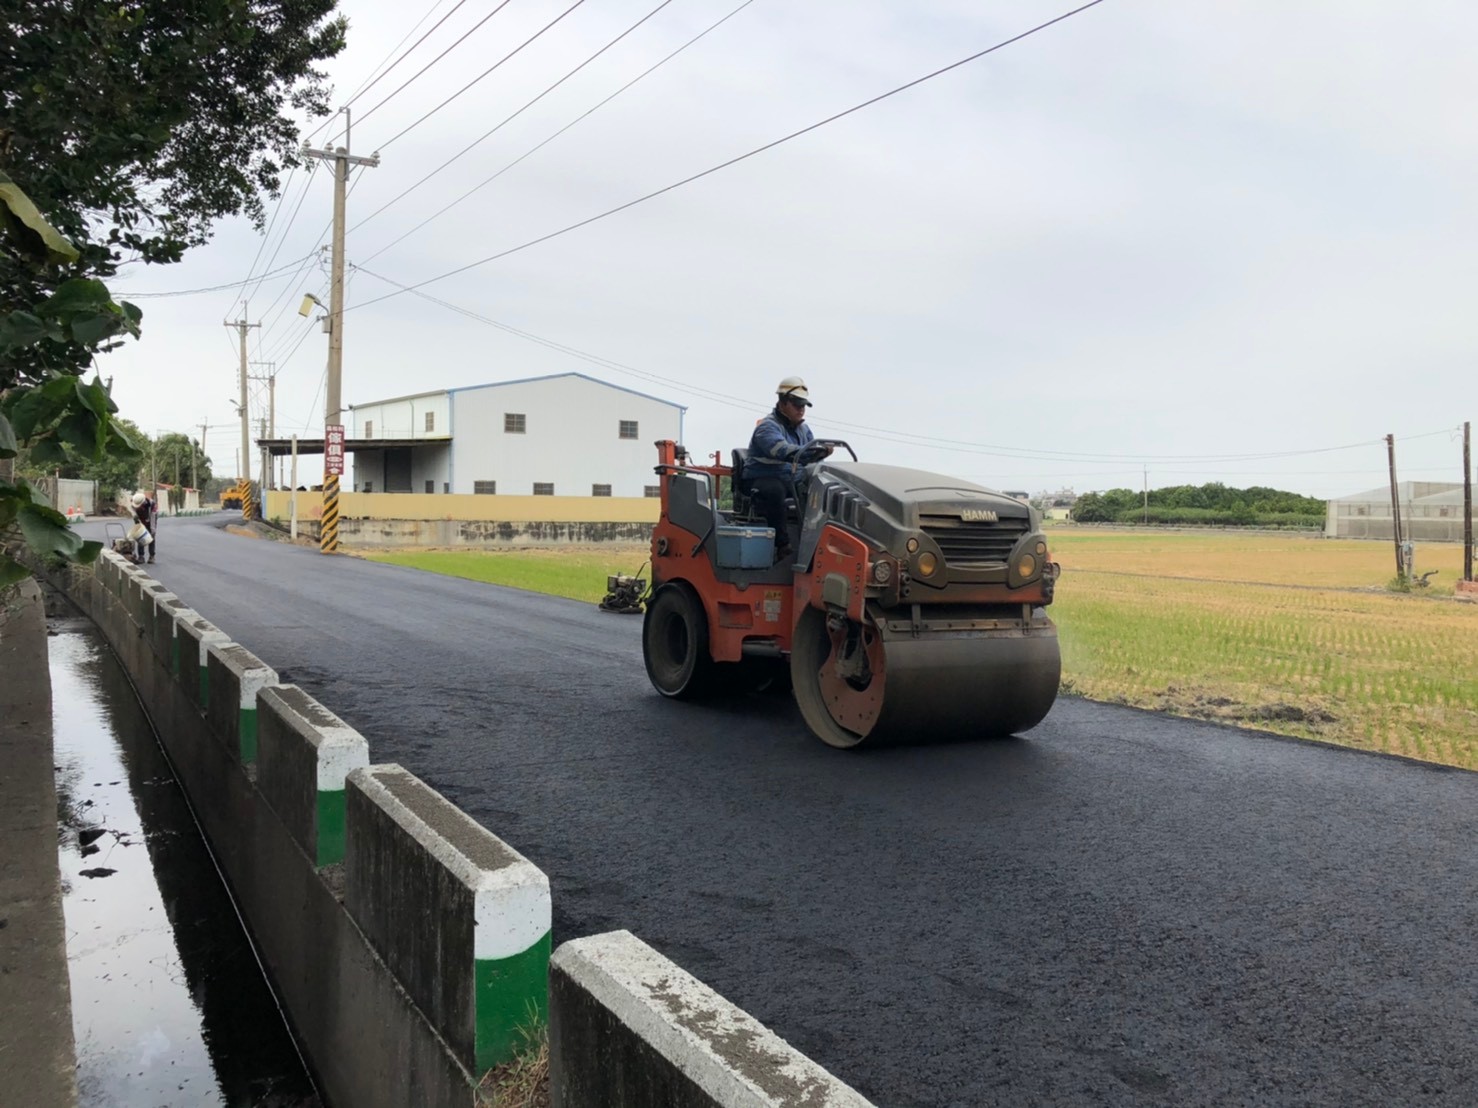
column 365, row 87
column 537, row 34
column 509, row 119
column 882, row 433
column 434, row 60
column 273, row 275
column 742, row 157
column 307, row 184
column 579, row 118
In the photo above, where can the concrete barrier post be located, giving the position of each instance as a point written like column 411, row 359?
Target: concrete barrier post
column 304, row 753
column 461, row 918
column 162, row 631
column 235, row 677
column 628, row 1028
column 198, row 636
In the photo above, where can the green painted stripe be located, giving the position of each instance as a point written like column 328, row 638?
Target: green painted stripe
column 247, row 729
column 204, row 687
column 511, row 996
column 330, row 826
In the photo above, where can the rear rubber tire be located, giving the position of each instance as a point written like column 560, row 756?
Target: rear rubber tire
column 674, row 641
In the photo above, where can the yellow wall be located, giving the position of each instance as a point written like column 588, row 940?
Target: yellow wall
column 521, row 509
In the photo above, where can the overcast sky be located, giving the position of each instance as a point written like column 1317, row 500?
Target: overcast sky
column 1164, row 236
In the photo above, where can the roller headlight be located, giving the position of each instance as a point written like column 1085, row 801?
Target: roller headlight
column 1026, row 565
column 927, row 564
column 882, row 572
column 913, row 546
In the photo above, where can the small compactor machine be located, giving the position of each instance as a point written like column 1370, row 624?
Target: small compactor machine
column 913, row 608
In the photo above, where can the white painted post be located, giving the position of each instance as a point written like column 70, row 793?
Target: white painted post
column 293, row 496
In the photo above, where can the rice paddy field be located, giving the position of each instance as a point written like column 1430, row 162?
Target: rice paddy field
column 1287, row 633
column 1293, row 634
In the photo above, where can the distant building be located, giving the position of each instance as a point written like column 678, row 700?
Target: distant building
column 562, row 435
column 1431, row 511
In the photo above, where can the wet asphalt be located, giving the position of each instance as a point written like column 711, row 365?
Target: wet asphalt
column 1119, row 908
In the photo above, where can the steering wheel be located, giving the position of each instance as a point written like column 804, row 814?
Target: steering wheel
column 817, row 449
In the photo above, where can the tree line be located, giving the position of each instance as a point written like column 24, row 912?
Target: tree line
column 1214, row 504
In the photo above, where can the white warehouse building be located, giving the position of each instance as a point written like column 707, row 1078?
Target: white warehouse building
column 563, row 435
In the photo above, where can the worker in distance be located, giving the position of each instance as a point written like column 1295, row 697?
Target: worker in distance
column 775, row 448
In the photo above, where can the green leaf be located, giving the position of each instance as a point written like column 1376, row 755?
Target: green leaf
column 11, row 571
column 95, row 327
column 25, row 223
column 45, row 536
column 88, row 553
column 80, row 429
column 94, row 397
column 19, row 329
column 79, row 294
column 8, row 446
column 47, row 452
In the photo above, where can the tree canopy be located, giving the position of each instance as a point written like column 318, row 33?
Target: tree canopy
column 134, row 124
column 1214, row 503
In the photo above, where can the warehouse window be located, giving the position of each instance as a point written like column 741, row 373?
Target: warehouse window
column 485, row 488
column 542, row 488
column 652, row 490
column 514, row 423
column 431, row 421
column 600, row 490
column 430, row 486
column 369, row 428
column 628, row 428
column 446, row 486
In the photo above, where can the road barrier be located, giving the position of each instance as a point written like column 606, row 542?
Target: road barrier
column 410, row 947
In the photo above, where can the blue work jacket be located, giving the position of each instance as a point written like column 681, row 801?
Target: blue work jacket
column 774, row 445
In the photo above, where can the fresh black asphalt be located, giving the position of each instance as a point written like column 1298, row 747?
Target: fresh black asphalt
column 1118, row 908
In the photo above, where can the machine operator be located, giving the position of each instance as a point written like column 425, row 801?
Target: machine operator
column 774, row 448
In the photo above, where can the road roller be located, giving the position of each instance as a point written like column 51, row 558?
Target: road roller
column 912, row 609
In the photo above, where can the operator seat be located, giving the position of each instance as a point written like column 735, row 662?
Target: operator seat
column 742, row 506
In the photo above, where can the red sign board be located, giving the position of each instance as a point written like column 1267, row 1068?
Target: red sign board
column 333, row 449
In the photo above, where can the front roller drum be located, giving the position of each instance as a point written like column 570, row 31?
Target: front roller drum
column 860, row 683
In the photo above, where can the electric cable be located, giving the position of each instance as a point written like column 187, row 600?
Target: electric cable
column 160, row 294
column 736, row 160
column 434, row 60
column 486, row 72
column 578, row 119
column 368, row 84
column 882, row 433
column 509, row 119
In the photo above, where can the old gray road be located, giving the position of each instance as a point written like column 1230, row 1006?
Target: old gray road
column 1120, row 908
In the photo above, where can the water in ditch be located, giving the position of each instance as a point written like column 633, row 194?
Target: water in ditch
column 169, row 1005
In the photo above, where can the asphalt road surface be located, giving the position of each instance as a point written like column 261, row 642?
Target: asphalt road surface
column 1118, row 908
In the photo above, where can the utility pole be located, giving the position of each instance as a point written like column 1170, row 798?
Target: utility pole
column 1146, row 495
column 342, row 160
column 244, row 458
column 271, row 379
column 194, row 474
column 1395, row 506
column 1467, row 501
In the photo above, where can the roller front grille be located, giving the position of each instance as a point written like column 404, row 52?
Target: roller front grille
column 967, row 543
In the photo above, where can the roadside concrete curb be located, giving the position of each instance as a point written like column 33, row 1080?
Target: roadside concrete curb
column 235, row 676
column 628, row 1028
column 460, row 917
column 37, row 1050
column 304, row 753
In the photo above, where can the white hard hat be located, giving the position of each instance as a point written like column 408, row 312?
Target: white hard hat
column 138, row 499
column 793, row 388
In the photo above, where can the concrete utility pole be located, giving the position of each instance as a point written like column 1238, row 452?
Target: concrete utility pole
column 271, row 433
column 194, row 457
column 1467, row 501
column 242, row 327
column 1395, row 506
column 342, row 160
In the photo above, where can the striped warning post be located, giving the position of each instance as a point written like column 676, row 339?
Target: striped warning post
column 328, row 529
column 248, row 500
